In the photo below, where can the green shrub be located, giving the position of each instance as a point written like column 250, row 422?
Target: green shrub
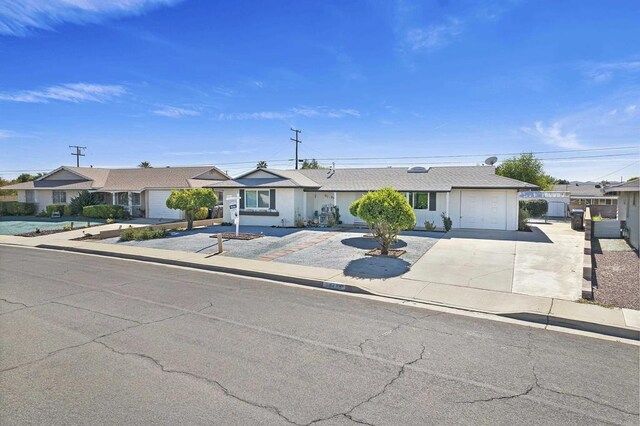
column 447, row 223
column 17, row 208
column 596, row 218
column 202, row 213
column 535, row 208
column 77, row 203
column 51, row 209
column 68, row 227
column 523, row 216
column 110, row 220
column 67, row 211
column 429, row 226
column 140, row 234
column 387, row 212
column 104, row 211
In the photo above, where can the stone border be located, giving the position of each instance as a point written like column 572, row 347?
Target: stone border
column 587, row 272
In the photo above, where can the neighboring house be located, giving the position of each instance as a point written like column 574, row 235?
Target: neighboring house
column 142, row 191
column 589, row 194
column 557, row 201
column 628, row 211
column 474, row 197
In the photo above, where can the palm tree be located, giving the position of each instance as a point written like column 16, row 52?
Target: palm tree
column 144, row 165
column 261, row 164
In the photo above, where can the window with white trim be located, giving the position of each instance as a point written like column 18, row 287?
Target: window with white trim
column 59, row 197
column 256, row 199
column 30, row 196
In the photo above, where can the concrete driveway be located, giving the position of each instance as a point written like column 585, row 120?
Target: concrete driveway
column 545, row 262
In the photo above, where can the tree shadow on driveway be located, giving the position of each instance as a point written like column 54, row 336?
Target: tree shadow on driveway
column 377, row 267
column 368, row 243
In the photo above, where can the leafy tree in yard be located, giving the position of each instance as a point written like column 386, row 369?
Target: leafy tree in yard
column 631, row 179
column 190, row 201
column 261, row 164
column 144, row 165
column 311, row 164
column 25, row 177
column 526, row 168
column 562, row 182
column 387, row 212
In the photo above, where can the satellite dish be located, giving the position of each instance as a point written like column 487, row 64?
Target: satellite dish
column 491, row 161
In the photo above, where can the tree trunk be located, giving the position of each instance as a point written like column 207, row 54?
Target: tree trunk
column 384, row 249
column 190, row 216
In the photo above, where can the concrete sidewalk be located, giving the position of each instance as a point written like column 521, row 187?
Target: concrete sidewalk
column 623, row 323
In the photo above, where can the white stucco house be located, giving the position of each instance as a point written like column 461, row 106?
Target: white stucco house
column 628, row 209
column 472, row 196
column 142, row 191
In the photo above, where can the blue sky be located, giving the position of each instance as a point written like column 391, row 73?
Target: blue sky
column 221, row 82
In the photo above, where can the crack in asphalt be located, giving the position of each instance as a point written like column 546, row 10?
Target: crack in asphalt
column 52, row 353
column 209, row 380
column 399, row 374
column 97, row 312
column 13, row 303
column 536, row 385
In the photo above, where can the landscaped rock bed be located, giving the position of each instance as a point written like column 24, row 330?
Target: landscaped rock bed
column 233, row 236
column 391, row 253
column 616, row 275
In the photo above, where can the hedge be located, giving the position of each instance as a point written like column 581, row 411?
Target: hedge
column 17, row 208
column 103, row 211
column 535, row 208
column 55, row 208
column 140, row 234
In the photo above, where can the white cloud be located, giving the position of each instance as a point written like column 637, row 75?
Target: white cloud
column 554, row 135
column 317, row 112
column 19, row 17
column 604, row 72
column 175, row 112
column 74, row 92
column 631, row 109
column 433, row 36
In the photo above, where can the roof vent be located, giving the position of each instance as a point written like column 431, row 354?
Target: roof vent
column 417, row 169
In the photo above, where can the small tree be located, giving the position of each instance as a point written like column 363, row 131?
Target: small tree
column 311, row 164
column 526, row 168
column 261, row 165
column 144, row 165
column 190, row 201
column 84, row 198
column 387, row 212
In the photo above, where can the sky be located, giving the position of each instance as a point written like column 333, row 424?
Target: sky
column 369, row 83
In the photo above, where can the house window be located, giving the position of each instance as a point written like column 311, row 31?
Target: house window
column 135, row 198
column 122, row 199
column 608, row 202
column 59, row 197
column 418, row 200
column 30, row 196
column 256, row 199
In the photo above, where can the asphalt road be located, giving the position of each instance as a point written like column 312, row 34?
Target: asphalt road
column 90, row 340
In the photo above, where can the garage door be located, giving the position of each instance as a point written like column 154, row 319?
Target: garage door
column 483, row 209
column 158, row 208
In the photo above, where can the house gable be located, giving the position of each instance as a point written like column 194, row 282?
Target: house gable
column 63, row 174
column 212, row 174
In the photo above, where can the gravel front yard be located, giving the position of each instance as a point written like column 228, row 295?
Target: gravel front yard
column 327, row 248
column 616, row 274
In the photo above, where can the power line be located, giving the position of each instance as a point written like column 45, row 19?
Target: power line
column 615, row 171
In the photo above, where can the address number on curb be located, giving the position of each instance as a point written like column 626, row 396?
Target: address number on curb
column 334, row 286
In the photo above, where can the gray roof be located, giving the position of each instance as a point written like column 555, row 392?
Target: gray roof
column 581, row 189
column 133, row 179
column 367, row 179
column 632, row 186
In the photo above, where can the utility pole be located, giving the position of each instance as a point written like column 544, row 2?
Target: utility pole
column 297, row 141
column 78, row 153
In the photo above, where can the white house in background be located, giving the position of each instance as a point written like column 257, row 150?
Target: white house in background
column 142, row 191
column 628, row 209
column 473, row 196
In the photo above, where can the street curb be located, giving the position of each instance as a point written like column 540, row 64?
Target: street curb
column 546, row 319
column 309, row 282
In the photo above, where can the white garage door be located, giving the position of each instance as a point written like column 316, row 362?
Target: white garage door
column 483, row 209
column 158, row 208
